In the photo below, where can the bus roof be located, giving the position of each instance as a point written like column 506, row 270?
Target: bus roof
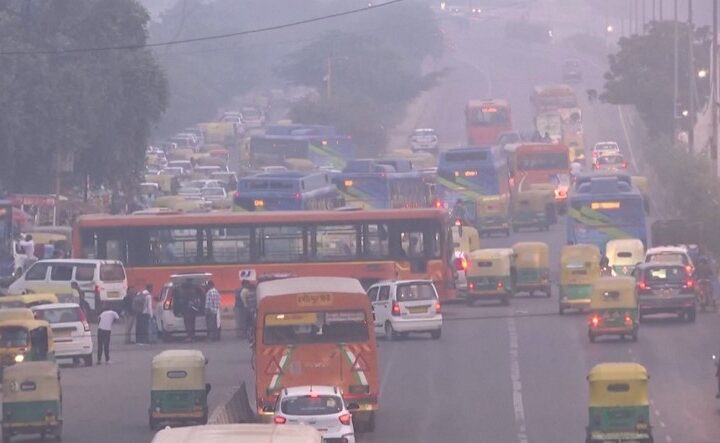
column 477, row 103
column 306, row 285
column 201, row 219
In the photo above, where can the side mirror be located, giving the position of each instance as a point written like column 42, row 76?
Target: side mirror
column 353, row 407
column 268, row 408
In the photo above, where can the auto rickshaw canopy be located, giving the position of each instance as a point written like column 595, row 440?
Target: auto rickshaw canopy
column 625, row 252
column 614, row 293
column 491, row 205
column 492, row 262
column 16, row 314
column 31, row 381
column 178, row 369
column 531, row 254
column 618, row 384
column 29, row 300
column 468, row 241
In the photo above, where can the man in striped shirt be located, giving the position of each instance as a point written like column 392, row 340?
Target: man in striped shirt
column 212, row 311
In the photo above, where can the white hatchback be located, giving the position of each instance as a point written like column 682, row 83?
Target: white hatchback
column 321, row 407
column 405, row 306
column 71, row 330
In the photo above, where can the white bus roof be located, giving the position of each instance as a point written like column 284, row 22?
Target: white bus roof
column 246, row 433
column 303, row 285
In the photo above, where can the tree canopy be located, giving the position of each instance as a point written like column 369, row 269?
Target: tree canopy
column 99, row 106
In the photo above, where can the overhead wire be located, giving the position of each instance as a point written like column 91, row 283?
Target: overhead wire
column 130, row 47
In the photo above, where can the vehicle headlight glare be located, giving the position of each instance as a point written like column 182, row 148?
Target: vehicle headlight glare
column 19, row 358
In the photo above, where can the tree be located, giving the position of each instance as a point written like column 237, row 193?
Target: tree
column 642, row 72
column 99, row 106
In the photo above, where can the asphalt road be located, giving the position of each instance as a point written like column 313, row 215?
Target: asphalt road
column 499, row 374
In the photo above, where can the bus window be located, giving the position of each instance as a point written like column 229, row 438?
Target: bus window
column 335, row 242
column 315, row 327
column 174, row 246
column 374, row 239
column 229, row 245
column 281, row 243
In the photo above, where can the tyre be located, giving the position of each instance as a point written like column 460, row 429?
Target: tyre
column 591, row 336
column 690, row 315
column 88, row 360
column 204, row 419
column 390, row 333
column 152, row 423
column 436, row 334
column 470, row 301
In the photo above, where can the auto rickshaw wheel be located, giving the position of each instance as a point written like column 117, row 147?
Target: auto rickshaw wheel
column 690, row 315
column 507, row 232
column 436, row 334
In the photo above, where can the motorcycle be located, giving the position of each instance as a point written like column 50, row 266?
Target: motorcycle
column 706, row 298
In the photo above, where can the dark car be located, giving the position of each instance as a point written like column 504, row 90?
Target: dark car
column 571, row 71
column 665, row 288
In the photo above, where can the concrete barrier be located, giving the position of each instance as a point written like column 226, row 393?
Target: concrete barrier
column 236, row 409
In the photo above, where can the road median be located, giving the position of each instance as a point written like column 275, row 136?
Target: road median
column 235, row 409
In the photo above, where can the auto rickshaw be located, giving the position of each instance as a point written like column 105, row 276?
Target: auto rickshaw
column 178, row 388
column 16, row 314
column 32, row 400
column 529, row 210
column 551, row 204
column 24, row 340
column 492, row 215
column 31, row 299
column 490, row 275
column 623, row 254
column 619, row 408
column 579, row 269
column 614, row 308
column 532, row 268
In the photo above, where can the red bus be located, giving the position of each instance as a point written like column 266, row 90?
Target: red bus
column 369, row 245
column 485, row 120
column 316, row 331
column 541, row 163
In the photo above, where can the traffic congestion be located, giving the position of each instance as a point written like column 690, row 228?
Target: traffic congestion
column 505, row 270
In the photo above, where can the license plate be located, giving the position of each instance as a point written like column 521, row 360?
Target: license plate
column 113, row 294
column 63, row 332
column 418, row 309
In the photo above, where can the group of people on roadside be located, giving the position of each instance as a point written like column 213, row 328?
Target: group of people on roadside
column 140, row 315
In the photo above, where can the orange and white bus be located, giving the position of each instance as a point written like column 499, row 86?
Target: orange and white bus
column 485, row 120
column 369, row 245
column 541, row 163
column 316, row 331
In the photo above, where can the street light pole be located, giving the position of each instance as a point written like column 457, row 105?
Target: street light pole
column 675, row 72
column 714, row 91
column 691, row 80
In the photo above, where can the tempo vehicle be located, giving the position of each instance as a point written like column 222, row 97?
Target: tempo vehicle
column 321, row 407
column 405, row 306
column 16, row 314
column 490, row 275
column 666, row 288
column 246, row 433
column 603, row 148
column 619, row 408
column 178, row 388
column 324, row 327
column 579, row 270
column 71, row 330
column 613, row 308
column 624, row 254
column 25, row 340
column 532, row 268
column 32, row 400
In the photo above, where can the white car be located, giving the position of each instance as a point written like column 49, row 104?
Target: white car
column 405, row 306
column 321, row 407
column 252, row 117
column 610, row 162
column 71, row 330
column 173, row 302
column 214, row 194
column 602, row 148
column 670, row 255
column 189, row 192
column 424, row 139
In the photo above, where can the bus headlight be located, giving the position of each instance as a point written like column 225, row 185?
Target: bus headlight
column 19, row 358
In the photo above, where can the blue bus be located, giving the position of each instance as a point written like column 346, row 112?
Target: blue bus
column 287, row 191
column 7, row 257
column 382, row 184
column 604, row 208
column 469, row 173
column 319, row 144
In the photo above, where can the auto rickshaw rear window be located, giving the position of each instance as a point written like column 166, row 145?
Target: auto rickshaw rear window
column 624, row 254
column 176, row 374
column 28, row 386
column 618, row 387
column 11, row 337
column 112, row 272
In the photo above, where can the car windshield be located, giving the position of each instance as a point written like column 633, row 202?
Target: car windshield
column 415, row 292
column 424, row 132
column 13, row 337
column 311, row 405
column 59, row 315
column 213, row 192
column 667, row 257
column 665, row 274
column 610, row 160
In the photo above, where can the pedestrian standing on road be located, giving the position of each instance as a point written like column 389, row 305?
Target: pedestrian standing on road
column 145, row 312
column 129, row 314
column 105, row 322
column 212, row 311
column 240, row 308
column 138, row 306
column 191, row 294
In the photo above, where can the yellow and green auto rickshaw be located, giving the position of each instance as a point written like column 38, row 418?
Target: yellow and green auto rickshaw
column 624, row 254
column 551, row 205
column 492, row 215
column 619, row 408
column 490, row 275
column 579, row 269
column 466, row 241
column 178, row 388
column 32, row 299
column 16, row 314
column 532, row 267
column 25, row 340
column 529, row 210
column 32, row 400
column 614, row 308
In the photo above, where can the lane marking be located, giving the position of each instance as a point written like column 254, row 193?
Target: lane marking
column 627, row 138
column 516, row 382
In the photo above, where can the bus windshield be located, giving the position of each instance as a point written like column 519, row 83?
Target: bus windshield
column 542, row 161
column 315, row 327
column 487, row 116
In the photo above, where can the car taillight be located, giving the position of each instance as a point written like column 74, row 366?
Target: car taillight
column 345, row 419
column 623, row 165
column 690, row 283
column 689, row 269
column 84, row 321
column 279, row 420
column 438, row 308
column 167, row 305
column 395, row 309
column 642, row 285
column 500, row 285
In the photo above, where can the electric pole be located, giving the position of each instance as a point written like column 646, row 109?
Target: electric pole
column 691, row 80
column 714, row 91
column 675, row 72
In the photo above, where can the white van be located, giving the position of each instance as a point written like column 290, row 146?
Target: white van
column 103, row 282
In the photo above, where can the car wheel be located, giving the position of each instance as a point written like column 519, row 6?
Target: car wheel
column 88, row 359
column 390, row 333
column 591, row 336
column 691, row 316
column 436, row 334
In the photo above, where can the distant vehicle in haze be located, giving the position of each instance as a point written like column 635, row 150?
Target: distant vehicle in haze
column 571, row 71
column 252, row 117
column 610, row 162
column 424, row 139
column 602, row 148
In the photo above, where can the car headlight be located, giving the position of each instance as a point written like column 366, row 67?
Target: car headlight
column 19, row 358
